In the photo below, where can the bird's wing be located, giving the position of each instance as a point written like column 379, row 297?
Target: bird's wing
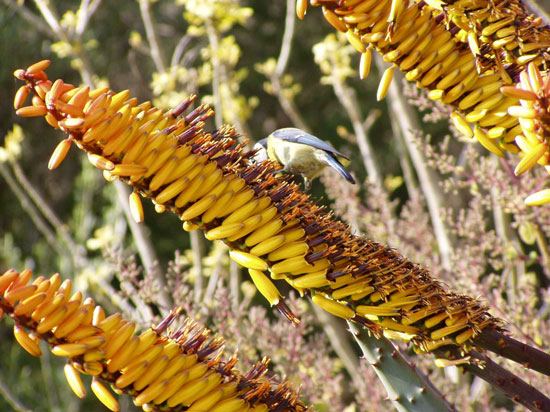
column 262, row 143
column 293, row 135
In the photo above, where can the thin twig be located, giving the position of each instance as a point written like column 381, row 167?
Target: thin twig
column 50, row 15
column 197, row 246
column 214, row 277
column 216, row 80
column 144, row 7
column 346, row 97
column 235, row 278
column 286, row 103
column 33, row 213
column 43, row 206
column 220, row 78
column 112, row 296
column 234, row 269
column 288, row 35
column 11, row 399
column 178, row 50
column 143, row 311
column 505, row 232
column 429, row 181
column 404, row 159
column 145, row 249
column 36, row 22
column 86, row 11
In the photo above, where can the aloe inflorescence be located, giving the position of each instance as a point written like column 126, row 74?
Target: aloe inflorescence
column 162, row 369
column 210, row 181
column 486, row 59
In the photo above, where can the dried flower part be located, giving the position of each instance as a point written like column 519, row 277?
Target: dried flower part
column 482, row 57
column 210, row 181
column 162, row 369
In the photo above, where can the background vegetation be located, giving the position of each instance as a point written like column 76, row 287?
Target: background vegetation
column 458, row 210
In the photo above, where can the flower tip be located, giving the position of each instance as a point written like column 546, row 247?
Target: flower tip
column 59, row 154
column 539, row 198
column 19, row 74
column 38, row 67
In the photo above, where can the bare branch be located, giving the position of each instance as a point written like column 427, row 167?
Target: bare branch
column 144, row 7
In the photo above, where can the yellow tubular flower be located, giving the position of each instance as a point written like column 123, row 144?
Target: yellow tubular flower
column 164, row 370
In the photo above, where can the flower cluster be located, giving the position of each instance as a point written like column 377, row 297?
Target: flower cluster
column 210, row 181
column 469, row 54
column 161, row 369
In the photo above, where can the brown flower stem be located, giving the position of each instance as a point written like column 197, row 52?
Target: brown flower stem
column 530, row 357
column 512, row 386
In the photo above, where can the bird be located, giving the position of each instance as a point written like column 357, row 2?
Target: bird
column 301, row 153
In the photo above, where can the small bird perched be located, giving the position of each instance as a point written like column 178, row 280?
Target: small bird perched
column 301, row 153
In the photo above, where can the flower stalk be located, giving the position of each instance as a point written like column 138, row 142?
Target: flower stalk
column 163, row 369
column 211, row 182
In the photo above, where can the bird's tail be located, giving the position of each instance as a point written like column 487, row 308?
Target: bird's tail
column 335, row 163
